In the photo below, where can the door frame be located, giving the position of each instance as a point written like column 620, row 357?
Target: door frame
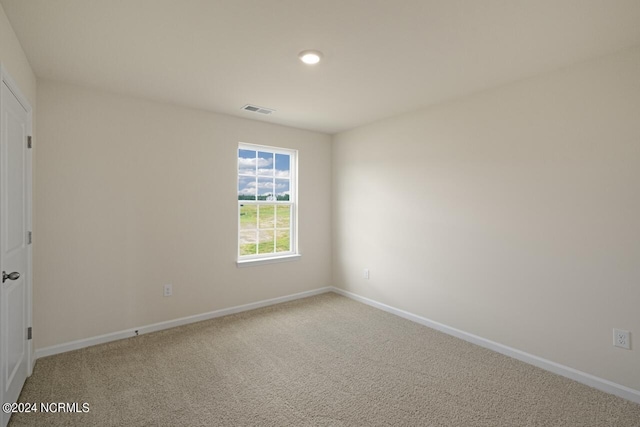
column 6, row 79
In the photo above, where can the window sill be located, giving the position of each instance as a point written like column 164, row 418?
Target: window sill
column 273, row 260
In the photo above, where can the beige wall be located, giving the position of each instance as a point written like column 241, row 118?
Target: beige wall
column 14, row 59
column 133, row 194
column 512, row 214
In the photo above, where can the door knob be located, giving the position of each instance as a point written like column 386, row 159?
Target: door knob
column 11, row 276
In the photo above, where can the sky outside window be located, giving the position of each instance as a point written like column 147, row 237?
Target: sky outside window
column 264, row 174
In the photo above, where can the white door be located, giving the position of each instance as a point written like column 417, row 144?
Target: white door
column 15, row 295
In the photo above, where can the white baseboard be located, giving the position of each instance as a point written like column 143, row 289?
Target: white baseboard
column 574, row 374
column 128, row 333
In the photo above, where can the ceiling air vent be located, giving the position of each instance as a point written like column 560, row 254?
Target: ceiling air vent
column 259, row 110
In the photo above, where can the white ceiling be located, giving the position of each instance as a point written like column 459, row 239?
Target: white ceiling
column 382, row 57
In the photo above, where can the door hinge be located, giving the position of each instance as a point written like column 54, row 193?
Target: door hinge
column 29, row 333
column 29, row 141
column 29, row 237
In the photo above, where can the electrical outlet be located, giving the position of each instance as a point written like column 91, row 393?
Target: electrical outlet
column 622, row 339
column 168, row 290
column 366, row 273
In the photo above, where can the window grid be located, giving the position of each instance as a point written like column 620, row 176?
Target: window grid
column 272, row 233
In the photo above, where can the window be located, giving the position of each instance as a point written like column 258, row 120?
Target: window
column 266, row 202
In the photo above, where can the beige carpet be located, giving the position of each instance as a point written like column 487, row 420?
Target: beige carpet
column 320, row 361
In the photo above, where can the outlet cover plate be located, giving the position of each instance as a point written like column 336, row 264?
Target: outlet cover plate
column 168, row 290
column 622, row 338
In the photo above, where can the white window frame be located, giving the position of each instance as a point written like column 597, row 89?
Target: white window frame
column 292, row 254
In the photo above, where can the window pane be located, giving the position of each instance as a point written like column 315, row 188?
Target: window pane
column 265, row 189
column 247, row 162
column 266, row 242
column 282, row 189
column 246, row 188
column 267, row 216
column 265, row 163
column 266, row 192
column 283, row 241
column 248, row 240
column 283, row 216
column 248, row 217
column 283, row 165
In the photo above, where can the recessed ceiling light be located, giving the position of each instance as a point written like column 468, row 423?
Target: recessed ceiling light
column 310, row 57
